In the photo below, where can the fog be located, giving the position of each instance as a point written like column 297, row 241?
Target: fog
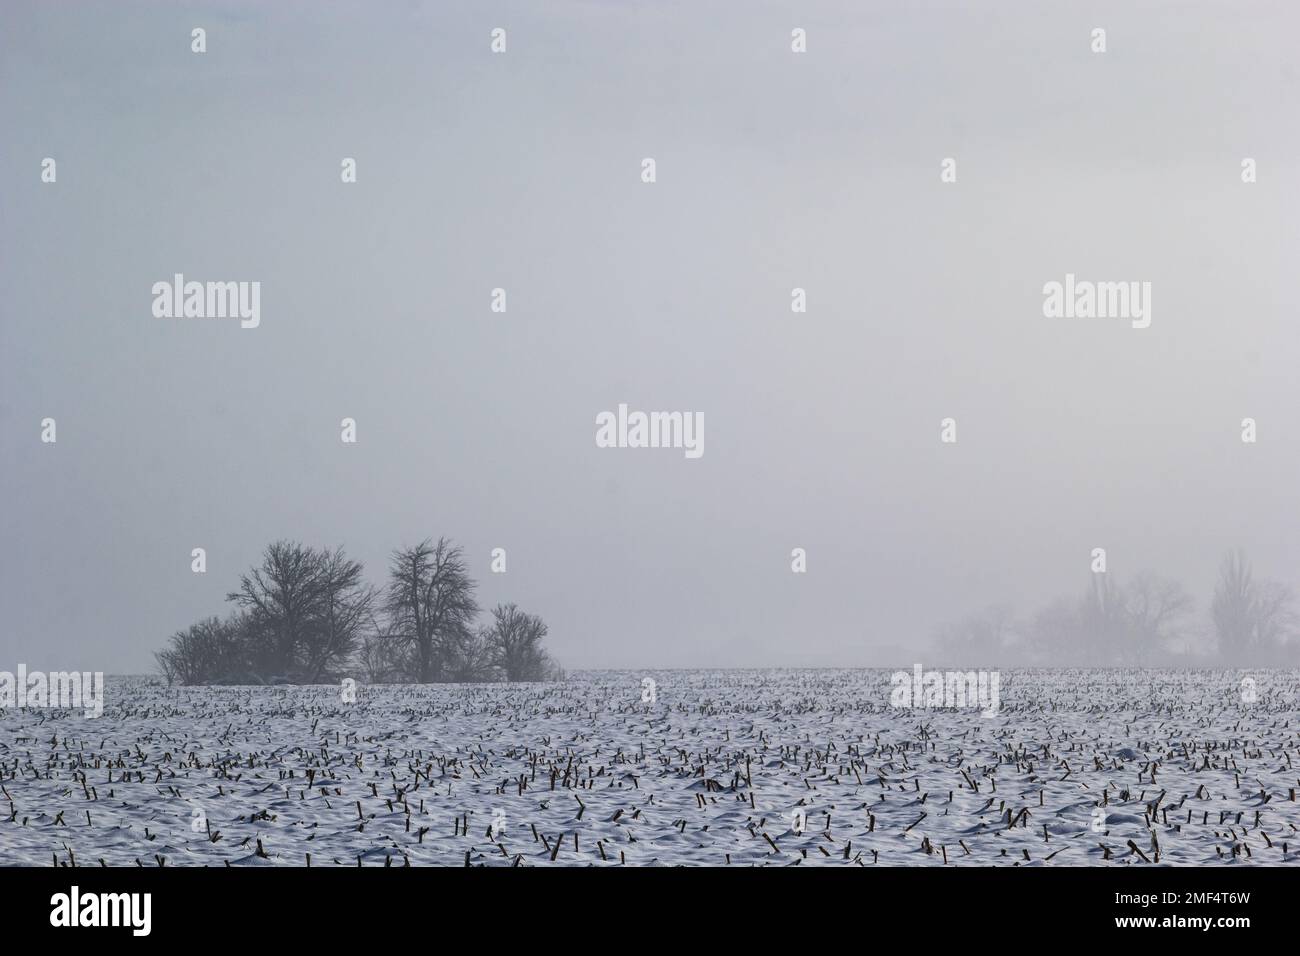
column 523, row 171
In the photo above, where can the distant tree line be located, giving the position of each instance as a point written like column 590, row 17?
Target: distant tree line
column 1146, row 621
column 307, row 615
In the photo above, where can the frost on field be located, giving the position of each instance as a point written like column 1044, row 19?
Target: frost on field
column 720, row 768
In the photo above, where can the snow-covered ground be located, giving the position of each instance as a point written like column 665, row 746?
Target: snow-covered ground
column 1078, row 767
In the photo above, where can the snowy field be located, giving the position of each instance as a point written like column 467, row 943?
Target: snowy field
column 741, row 768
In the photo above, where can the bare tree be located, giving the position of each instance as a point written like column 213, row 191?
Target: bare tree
column 515, row 640
column 1251, row 618
column 379, row 657
column 1111, row 623
column 282, row 599
column 1231, row 610
column 340, row 616
column 431, row 606
column 1104, row 618
column 472, row 661
column 1275, row 617
column 304, row 614
column 211, row 651
column 1153, row 607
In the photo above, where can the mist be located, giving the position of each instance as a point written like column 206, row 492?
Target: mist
column 523, row 171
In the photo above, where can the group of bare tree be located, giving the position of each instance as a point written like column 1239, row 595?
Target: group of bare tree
column 307, row 615
column 1146, row 621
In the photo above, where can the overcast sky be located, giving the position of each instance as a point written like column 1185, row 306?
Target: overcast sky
column 522, row 170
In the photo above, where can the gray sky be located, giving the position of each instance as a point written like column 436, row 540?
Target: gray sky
column 522, row 171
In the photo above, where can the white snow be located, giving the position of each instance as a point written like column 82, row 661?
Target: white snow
column 713, row 772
